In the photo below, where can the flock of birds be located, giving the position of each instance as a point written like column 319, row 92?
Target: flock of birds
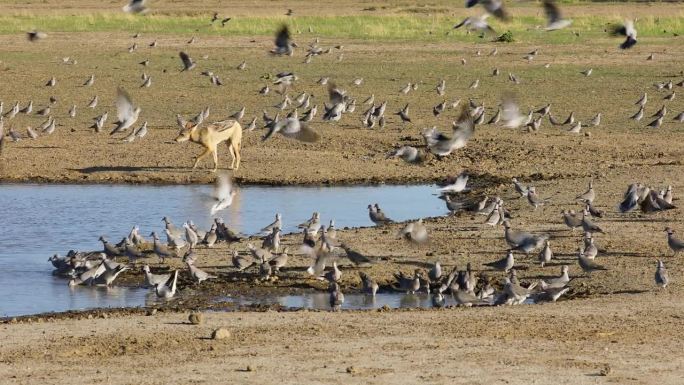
column 326, row 249
column 340, row 101
column 320, row 242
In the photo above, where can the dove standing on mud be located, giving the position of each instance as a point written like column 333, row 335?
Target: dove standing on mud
column 161, row 249
column 520, row 188
column 675, row 244
column 198, row 274
column 377, row 216
column 588, row 196
column 522, row 241
column 588, row 226
column 546, row 254
column 505, row 264
column 588, row 265
column 661, row 276
column 126, row 112
column 557, row 282
column 533, row 199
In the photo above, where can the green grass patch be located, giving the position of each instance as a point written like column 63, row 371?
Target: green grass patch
column 376, row 27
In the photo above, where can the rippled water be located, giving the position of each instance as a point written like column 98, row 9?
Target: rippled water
column 41, row 220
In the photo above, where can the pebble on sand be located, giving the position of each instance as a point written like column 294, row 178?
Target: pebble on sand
column 196, row 318
column 220, row 334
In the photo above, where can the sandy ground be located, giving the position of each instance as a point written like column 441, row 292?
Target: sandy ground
column 615, row 320
column 633, row 339
column 348, row 153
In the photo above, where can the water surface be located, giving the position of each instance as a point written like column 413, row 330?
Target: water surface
column 41, row 220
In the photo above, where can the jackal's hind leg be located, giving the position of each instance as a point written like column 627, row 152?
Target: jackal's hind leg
column 231, row 150
column 235, row 150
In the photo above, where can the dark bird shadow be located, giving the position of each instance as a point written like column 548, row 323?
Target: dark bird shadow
column 632, row 291
column 624, row 254
column 424, row 265
column 38, row 147
column 96, row 169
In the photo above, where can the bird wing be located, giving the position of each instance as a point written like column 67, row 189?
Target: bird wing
column 307, row 134
column 552, row 11
column 185, row 58
column 124, row 105
column 135, row 6
column 272, row 130
column 289, row 126
column 433, row 136
column 619, row 29
column 495, row 7
column 336, row 95
column 629, row 29
column 464, row 126
column 465, row 21
column 510, row 113
column 282, row 39
column 293, row 128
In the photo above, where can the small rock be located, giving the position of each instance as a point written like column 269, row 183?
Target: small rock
column 151, row 312
column 196, row 318
column 220, row 334
column 351, row 370
column 605, row 371
column 250, row 368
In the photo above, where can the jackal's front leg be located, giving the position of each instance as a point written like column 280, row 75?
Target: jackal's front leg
column 215, row 154
column 200, row 156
